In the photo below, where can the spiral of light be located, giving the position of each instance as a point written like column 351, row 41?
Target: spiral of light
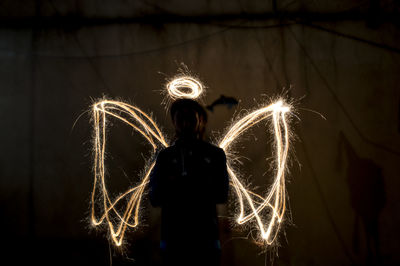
column 184, row 87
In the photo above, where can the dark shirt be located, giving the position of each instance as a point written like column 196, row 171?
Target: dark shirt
column 187, row 181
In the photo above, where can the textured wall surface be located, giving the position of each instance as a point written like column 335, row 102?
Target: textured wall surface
column 57, row 57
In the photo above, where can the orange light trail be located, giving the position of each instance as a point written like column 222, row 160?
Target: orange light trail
column 250, row 204
column 177, row 88
column 143, row 124
column 276, row 198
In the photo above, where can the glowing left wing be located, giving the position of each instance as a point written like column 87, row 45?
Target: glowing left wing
column 250, row 203
column 143, row 124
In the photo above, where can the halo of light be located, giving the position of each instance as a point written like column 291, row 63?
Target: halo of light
column 176, row 88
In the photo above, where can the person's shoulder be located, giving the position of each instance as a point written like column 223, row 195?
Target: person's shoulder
column 165, row 152
column 212, row 147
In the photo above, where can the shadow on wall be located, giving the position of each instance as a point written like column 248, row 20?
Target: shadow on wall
column 367, row 198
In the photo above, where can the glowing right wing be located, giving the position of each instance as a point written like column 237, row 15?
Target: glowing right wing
column 142, row 123
column 250, row 203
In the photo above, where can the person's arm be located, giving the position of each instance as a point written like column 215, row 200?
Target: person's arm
column 222, row 179
column 156, row 187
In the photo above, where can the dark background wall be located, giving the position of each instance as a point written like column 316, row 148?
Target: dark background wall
column 341, row 58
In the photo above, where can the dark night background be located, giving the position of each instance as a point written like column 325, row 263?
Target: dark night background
column 341, row 58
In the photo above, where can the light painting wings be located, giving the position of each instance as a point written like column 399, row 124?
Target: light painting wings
column 266, row 212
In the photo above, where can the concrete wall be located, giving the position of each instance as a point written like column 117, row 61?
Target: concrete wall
column 51, row 75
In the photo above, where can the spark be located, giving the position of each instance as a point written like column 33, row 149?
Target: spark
column 251, row 205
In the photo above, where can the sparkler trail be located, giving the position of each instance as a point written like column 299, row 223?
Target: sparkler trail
column 143, row 124
column 177, row 88
column 275, row 200
column 251, row 205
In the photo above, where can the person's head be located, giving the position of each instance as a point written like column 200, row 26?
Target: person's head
column 189, row 118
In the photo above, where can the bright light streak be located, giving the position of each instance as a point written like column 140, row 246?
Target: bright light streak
column 251, row 205
column 184, row 87
column 143, row 124
column 275, row 200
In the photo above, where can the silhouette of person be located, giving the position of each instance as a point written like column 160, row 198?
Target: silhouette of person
column 188, row 180
column 367, row 198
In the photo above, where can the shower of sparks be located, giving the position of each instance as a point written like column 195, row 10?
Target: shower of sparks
column 251, row 205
